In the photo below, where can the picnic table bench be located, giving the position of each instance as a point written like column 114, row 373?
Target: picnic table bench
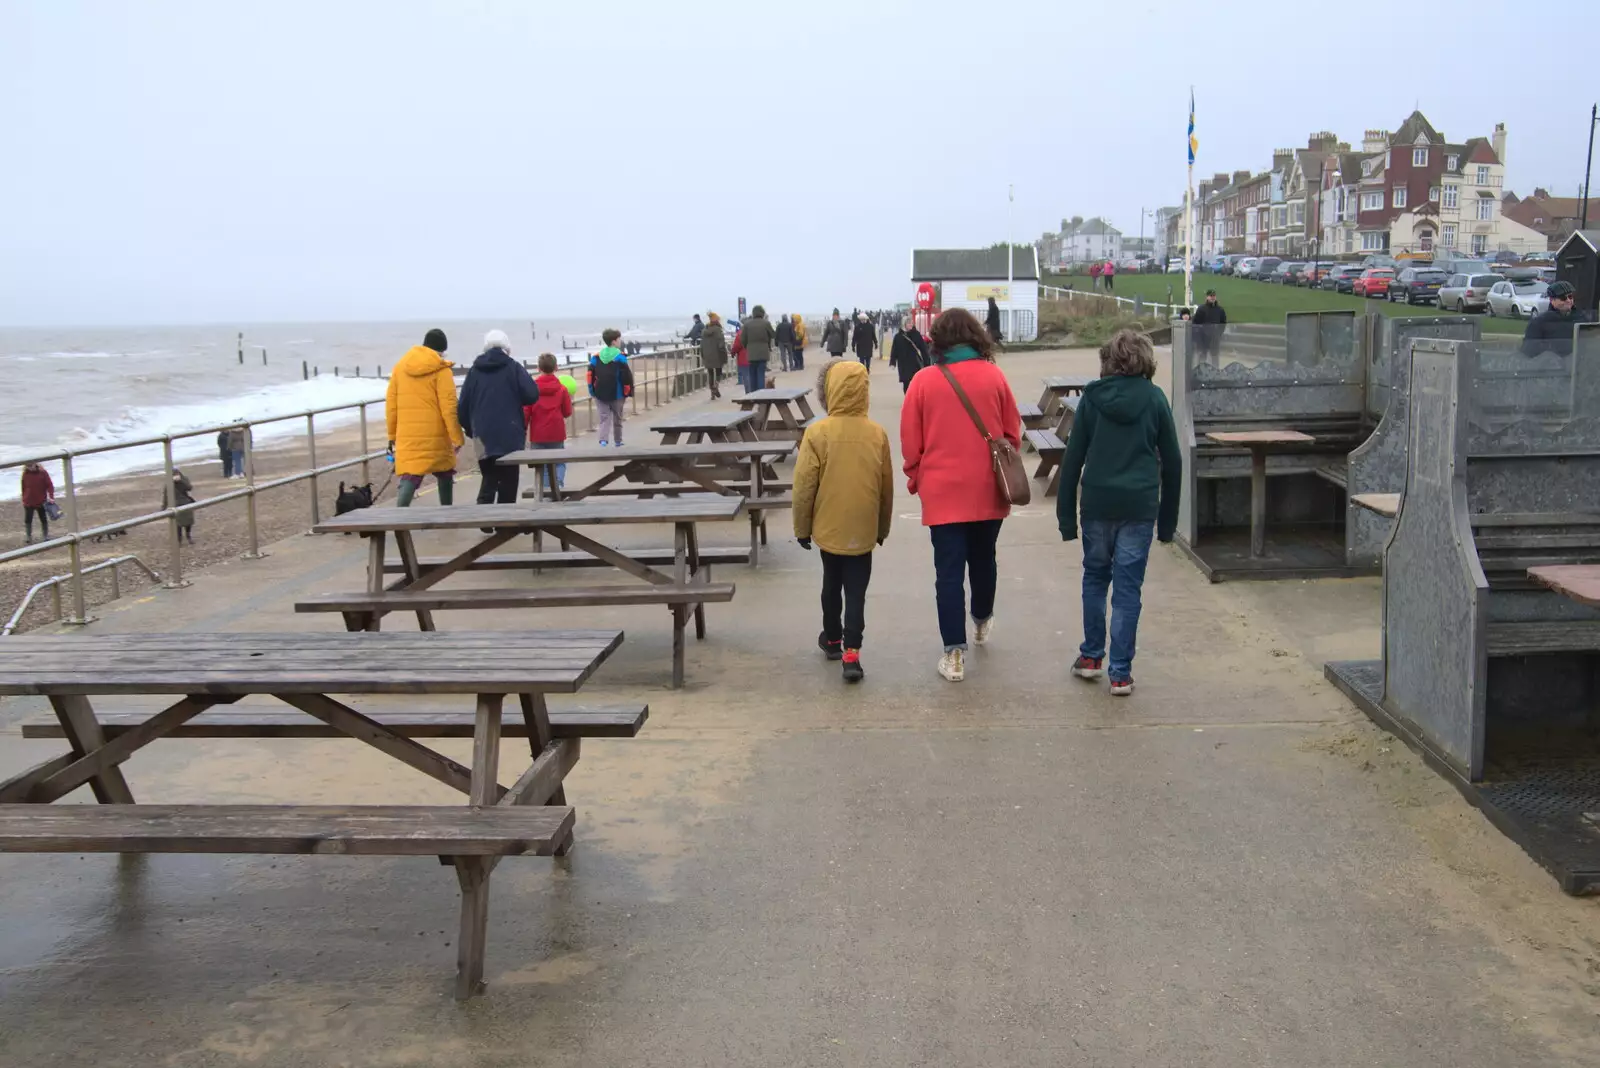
column 1057, row 388
column 766, row 403
column 1259, row 442
column 1051, row 444
column 207, row 670
column 687, row 589
column 731, row 469
column 712, row 425
column 1384, row 504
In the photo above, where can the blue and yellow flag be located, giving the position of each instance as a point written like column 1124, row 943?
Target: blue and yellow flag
column 1194, row 142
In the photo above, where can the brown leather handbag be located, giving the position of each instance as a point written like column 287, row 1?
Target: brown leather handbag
column 1010, row 476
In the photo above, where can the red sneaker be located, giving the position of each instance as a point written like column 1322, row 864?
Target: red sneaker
column 853, row 671
column 1122, row 687
column 1089, row 668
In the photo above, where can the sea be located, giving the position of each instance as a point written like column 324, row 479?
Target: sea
column 76, row 388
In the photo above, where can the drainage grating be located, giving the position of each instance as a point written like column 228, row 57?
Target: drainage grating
column 1550, row 807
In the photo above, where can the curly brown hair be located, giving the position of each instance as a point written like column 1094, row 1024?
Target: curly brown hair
column 957, row 327
column 1130, row 353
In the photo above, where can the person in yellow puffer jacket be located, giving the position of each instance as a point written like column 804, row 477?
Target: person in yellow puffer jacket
column 424, row 433
column 844, row 500
column 799, row 357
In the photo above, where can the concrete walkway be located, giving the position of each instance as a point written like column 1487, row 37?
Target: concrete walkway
column 1230, row 868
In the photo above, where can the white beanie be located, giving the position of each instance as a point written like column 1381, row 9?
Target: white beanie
column 496, row 339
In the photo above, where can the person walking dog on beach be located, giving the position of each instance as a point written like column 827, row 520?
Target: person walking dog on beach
column 547, row 417
column 496, row 391
column 610, row 384
column 844, row 501
column 714, row 352
column 37, row 489
column 1125, row 446
column 908, row 353
column 864, row 340
column 949, row 465
column 424, row 433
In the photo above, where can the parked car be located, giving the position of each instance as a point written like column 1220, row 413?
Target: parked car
column 1518, row 299
column 1454, row 265
column 1282, row 272
column 1243, row 267
column 1175, row 265
column 1372, row 282
column 1417, row 285
column 1263, row 268
column 1467, row 292
column 1539, row 259
column 1312, row 274
column 1341, row 277
column 1216, row 265
column 1380, row 259
column 1547, row 274
column 1504, row 258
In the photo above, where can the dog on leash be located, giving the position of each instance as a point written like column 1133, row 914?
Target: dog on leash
column 353, row 499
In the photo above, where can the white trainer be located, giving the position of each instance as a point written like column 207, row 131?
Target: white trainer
column 953, row 666
column 981, row 629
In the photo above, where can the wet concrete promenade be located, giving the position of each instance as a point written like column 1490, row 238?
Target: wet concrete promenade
column 1231, row 868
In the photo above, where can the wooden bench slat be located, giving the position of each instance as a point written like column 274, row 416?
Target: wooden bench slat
column 547, row 597
column 385, row 830
column 524, row 561
column 1044, row 441
column 618, row 722
column 1524, row 639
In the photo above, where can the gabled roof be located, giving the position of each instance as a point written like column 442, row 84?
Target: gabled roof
column 977, row 264
column 1096, row 226
column 1416, row 130
column 1588, row 237
column 1479, row 150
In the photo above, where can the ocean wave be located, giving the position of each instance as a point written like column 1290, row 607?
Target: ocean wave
column 133, row 423
column 34, row 357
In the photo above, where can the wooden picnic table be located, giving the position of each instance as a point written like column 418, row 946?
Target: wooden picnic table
column 712, row 425
column 1576, row 582
column 1384, row 504
column 687, row 588
column 204, row 670
column 765, row 403
column 1259, row 442
column 1058, row 386
column 731, row 469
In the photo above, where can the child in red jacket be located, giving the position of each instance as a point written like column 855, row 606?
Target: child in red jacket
column 547, row 417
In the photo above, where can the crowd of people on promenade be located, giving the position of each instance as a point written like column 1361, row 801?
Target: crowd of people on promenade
column 958, row 415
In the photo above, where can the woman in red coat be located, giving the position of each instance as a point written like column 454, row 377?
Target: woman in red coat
column 36, row 490
column 948, row 466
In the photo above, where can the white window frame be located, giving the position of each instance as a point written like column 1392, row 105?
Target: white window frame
column 1486, row 209
column 1483, row 174
column 1400, row 196
column 1433, row 194
column 1372, row 241
column 1452, row 197
column 1419, row 157
column 1480, row 244
column 1447, row 236
column 1372, row 201
column 1452, row 163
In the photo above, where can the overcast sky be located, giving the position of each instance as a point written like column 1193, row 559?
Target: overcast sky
column 221, row 161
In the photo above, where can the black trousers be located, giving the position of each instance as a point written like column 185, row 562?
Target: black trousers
column 844, row 593
column 499, row 482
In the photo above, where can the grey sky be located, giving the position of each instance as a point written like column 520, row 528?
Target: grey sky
column 216, row 161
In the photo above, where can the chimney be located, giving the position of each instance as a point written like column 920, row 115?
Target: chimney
column 1219, row 180
column 1240, row 176
column 1499, row 141
column 1281, row 158
column 1374, row 141
column 1541, row 193
column 1322, row 141
column 1205, row 188
column 1077, row 220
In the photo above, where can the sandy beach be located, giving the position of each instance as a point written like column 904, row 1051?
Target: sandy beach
column 221, row 532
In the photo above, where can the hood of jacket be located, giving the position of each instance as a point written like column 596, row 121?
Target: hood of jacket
column 609, row 353
column 492, row 361
column 552, row 386
column 845, row 388
column 421, row 362
column 1122, row 398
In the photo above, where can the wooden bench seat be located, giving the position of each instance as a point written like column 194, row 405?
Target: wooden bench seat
column 1336, row 471
column 666, row 489
column 1531, row 638
column 1033, row 416
column 524, row 561
column 1051, row 450
column 384, row 830
column 436, row 600
column 586, row 722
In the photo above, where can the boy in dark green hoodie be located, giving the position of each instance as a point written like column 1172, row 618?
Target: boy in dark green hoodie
column 1125, row 446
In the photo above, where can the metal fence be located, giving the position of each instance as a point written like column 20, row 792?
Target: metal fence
column 659, row 377
column 1136, row 305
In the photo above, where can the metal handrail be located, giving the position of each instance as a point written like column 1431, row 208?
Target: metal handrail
column 53, row 583
column 666, row 365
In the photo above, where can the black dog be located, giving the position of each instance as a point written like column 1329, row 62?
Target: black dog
column 353, row 499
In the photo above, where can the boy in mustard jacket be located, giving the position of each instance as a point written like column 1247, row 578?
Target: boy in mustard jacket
column 844, row 501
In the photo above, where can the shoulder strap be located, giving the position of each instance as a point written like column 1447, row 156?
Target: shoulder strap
column 966, row 403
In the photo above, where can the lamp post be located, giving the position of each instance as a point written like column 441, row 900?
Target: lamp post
column 1588, row 164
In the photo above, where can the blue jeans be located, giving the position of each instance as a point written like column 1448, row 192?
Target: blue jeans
column 961, row 550
column 238, row 463
column 1115, row 552
column 755, row 376
column 561, row 469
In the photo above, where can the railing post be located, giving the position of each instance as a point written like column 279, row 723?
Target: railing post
column 175, row 579
column 70, row 485
column 366, row 473
column 311, row 447
column 55, row 597
column 252, row 527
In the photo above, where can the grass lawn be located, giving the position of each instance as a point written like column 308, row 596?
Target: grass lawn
column 1248, row 301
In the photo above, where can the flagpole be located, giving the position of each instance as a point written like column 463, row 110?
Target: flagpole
column 1188, row 215
column 1011, row 256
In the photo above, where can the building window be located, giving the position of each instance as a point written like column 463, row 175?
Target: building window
column 1349, row 241
column 1297, row 212
column 1419, row 157
column 1366, row 166
column 1451, row 163
column 1480, row 244
column 1433, row 193
column 1387, row 162
column 1399, row 196
column 1483, row 174
column 1371, row 241
column 1371, row 201
column 1450, row 194
column 1449, row 238
column 1485, row 209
